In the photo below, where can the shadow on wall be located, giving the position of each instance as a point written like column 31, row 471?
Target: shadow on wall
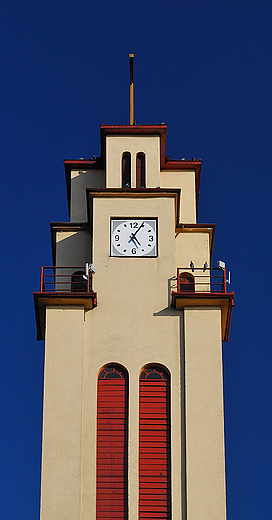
column 80, row 181
column 73, row 248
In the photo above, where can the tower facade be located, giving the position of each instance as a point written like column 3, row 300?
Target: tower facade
column 133, row 318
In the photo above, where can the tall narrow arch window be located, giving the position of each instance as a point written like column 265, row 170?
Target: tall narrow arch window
column 154, row 444
column 140, row 170
column 112, row 444
column 126, row 170
column 186, row 282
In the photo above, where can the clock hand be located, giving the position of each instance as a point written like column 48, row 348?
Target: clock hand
column 134, row 239
column 133, row 234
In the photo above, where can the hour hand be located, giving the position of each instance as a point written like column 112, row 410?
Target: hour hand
column 134, row 239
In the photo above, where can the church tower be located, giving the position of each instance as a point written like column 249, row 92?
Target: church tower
column 133, row 317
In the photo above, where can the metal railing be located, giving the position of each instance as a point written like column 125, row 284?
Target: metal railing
column 201, row 279
column 78, row 279
column 65, row 279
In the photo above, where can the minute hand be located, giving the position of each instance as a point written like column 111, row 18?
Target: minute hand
column 134, row 234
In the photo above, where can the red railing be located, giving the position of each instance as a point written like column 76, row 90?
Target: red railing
column 65, row 279
column 201, row 279
column 77, row 279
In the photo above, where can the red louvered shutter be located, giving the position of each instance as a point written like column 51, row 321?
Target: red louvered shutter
column 112, row 430
column 154, row 445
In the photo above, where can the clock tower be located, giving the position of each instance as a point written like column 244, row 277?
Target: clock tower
column 133, row 316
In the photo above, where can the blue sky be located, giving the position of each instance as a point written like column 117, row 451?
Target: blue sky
column 204, row 68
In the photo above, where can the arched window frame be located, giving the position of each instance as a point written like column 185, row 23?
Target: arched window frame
column 151, row 372
column 112, row 443
column 186, row 282
column 112, row 371
column 126, row 170
column 154, row 443
column 140, row 170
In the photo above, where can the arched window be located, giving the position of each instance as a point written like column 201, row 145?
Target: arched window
column 186, row 282
column 112, row 444
column 154, row 444
column 78, row 283
column 140, row 170
column 126, row 170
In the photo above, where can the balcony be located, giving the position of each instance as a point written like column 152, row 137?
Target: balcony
column 63, row 286
column 204, row 287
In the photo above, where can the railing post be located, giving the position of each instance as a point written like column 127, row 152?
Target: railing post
column 225, row 281
column 178, row 284
column 41, row 288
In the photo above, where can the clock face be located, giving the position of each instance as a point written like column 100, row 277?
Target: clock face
column 134, row 237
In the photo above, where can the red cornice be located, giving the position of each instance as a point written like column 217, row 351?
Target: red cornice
column 79, row 162
column 181, row 165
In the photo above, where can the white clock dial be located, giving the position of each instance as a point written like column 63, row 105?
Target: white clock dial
column 134, row 237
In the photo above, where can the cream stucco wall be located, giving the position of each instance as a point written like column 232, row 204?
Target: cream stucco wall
column 192, row 246
column 117, row 145
column 133, row 325
column 185, row 180
column 205, row 459
column 62, row 414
